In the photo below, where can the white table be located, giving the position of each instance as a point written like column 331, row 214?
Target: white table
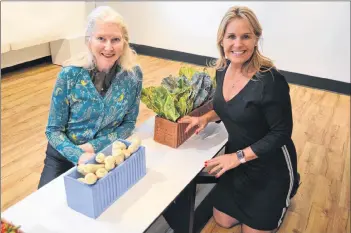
column 169, row 171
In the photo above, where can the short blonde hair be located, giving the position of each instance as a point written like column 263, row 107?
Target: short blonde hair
column 128, row 59
column 257, row 60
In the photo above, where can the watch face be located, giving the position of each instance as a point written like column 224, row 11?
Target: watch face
column 241, row 157
column 240, row 154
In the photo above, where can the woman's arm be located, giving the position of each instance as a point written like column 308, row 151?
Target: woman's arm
column 122, row 131
column 276, row 107
column 58, row 118
column 201, row 121
column 125, row 129
column 211, row 116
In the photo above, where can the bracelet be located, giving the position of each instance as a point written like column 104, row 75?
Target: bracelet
column 241, row 156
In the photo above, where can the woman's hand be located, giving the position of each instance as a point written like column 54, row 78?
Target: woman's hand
column 201, row 122
column 85, row 157
column 87, row 147
column 222, row 163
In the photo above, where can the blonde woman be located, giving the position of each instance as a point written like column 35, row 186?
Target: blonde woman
column 96, row 97
column 258, row 173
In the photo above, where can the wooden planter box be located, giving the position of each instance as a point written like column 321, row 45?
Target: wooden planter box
column 173, row 134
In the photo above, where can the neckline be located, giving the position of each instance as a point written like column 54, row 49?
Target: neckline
column 239, row 93
column 96, row 92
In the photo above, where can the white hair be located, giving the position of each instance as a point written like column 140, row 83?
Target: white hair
column 105, row 14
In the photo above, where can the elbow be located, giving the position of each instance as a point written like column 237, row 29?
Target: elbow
column 282, row 134
column 52, row 131
column 48, row 133
column 271, row 142
column 283, row 138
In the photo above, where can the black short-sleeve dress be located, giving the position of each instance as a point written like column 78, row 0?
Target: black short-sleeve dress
column 257, row 193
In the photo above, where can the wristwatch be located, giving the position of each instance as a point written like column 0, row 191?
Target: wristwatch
column 241, row 156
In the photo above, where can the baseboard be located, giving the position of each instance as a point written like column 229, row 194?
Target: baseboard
column 292, row 77
column 317, row 82
column 172, row 55
column 27, row 64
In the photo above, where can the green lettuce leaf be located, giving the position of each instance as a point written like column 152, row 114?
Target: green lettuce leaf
column 162, row 102
column 187, row 71
column 178, row 96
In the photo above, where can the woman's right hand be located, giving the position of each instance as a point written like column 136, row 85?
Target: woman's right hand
column 201, row 122
column 85, row 157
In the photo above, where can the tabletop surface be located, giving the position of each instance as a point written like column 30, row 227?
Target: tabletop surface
column 168, row 172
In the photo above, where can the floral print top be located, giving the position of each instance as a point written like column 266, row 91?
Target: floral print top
column 79, row 114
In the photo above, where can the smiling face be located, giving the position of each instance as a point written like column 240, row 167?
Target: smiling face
column 106, row 44
column 239, row 41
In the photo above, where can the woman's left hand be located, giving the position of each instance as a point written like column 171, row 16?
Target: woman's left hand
column 87, row 147
column 222, row 163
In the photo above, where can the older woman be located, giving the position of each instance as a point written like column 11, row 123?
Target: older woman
column 96, row 98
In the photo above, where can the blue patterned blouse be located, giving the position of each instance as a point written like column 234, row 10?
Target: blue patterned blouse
column 79, row 114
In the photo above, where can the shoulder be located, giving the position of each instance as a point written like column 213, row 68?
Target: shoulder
column 138, row 72
column 275, row 86
column 71, row 71
column 135, row 74
column 221, row 72
column 273, row 80
column 70, row 75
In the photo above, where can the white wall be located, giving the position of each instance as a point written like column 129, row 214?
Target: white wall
column 311, row 38
column 28, row 27
column 27, row 23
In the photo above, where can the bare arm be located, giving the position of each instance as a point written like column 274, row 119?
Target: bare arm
column 201, row 121
column 211, row 116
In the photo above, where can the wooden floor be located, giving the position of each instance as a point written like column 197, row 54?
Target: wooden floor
column 321, row 134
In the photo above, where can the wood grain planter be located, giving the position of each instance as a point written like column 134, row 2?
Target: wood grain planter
column 173, row 134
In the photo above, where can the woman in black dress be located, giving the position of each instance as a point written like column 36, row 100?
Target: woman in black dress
column 258, row 173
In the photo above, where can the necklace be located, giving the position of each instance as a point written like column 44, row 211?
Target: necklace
column 234, row 84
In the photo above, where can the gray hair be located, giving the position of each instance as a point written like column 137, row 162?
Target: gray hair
column 105, row 14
